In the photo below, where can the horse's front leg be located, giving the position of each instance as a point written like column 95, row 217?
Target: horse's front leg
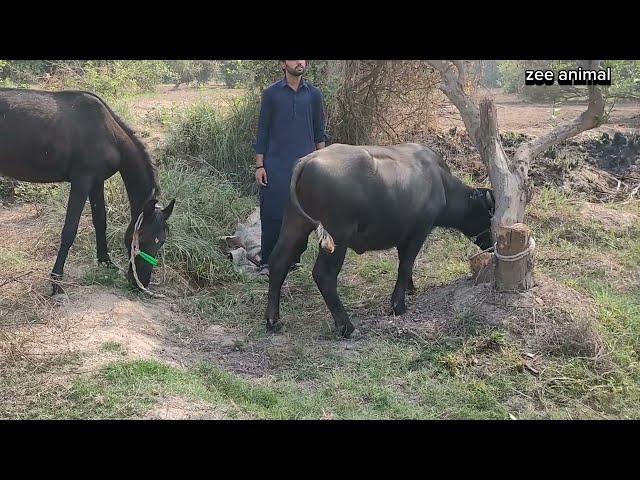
column 77, row 198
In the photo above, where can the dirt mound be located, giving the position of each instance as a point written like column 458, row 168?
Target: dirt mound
column 602, row 168
column 550, row 318
column 457, row 150
column 96, row 324
column 612, row 219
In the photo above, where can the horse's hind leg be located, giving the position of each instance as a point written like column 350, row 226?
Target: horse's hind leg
column 99, row 215
column 77, row 198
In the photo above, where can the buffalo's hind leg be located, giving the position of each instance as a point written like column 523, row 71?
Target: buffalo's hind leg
column 325, row 274
column 99, row 216
column 291, row 243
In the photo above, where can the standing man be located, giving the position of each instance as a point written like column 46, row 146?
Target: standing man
column 291, row 125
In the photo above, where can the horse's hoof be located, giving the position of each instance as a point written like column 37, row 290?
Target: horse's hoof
column 346, row 330
column 60, row 298
column 274, row 326
column 399, row 309
column 107, row 264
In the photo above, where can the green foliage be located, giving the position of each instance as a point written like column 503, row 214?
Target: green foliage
column 224, row 142
column 109, row 78
column 625, row 78
column 512, row 77
column 491, row 73
column 188, row 71
column 208, row 207
column 259, row 74
column 234, row 72
column 121, row 77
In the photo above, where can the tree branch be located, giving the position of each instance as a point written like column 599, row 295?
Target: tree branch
column 589, row 119
column 453, row 90
column 462, row 77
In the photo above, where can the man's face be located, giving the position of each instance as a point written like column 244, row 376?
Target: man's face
column 295, row 67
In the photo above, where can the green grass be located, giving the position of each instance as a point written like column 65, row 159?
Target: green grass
column 113, row 347
column 13, row 259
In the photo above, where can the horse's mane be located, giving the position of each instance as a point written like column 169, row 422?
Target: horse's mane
column 148, row 162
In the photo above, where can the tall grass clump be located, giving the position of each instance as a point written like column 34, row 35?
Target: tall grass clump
column 208, row 207
column 224, row 142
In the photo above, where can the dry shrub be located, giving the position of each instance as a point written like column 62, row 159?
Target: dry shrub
column 381, row 102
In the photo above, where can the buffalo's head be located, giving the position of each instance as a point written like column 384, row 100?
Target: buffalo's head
column 478, row 220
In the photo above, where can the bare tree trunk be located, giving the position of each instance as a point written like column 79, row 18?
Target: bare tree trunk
column 509, row 183
column 509, row 178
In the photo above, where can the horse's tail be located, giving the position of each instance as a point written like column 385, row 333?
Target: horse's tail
column 326, row 240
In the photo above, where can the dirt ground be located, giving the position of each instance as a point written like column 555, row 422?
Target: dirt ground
column 535, row 119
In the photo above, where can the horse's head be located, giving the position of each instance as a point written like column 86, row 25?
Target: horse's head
column 150, row 232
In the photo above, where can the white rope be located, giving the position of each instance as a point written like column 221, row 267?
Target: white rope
column 135, row 249
column 517, row 256
column 492, row 247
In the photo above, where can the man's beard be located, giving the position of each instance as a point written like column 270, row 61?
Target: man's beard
column 295, row 72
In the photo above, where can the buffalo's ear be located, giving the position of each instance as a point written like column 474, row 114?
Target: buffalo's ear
column 490, row 200
column 169, row 209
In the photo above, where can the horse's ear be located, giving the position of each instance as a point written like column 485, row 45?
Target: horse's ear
column 150, row 207
column 169, row 209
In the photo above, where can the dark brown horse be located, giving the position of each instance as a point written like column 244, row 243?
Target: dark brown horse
column 75, row 137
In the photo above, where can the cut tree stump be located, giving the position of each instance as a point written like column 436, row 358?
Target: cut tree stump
column 514, row 275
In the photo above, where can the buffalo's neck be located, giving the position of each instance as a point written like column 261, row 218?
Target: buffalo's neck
column 455, row 212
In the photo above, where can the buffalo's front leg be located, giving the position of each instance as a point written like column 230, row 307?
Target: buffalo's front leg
column 325, row 274
column 407, row 254
column 291, row 243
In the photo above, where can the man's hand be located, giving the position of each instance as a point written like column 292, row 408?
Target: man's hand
column 261, row 177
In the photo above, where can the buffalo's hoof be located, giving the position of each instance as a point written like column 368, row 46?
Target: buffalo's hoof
column 274, row 326
column 356, row 334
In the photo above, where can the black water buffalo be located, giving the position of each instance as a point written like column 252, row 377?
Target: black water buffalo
column 371, row 198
